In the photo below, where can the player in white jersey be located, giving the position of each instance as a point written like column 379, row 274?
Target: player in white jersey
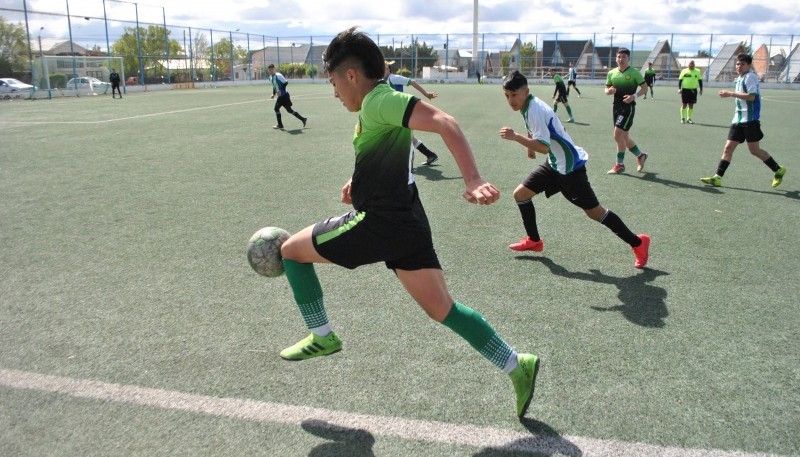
column 564, row 171
column 746, row 124
column 399, row 83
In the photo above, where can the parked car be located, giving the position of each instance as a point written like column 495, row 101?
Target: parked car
column 132, row 81
column 89, row 84
column 14, row 88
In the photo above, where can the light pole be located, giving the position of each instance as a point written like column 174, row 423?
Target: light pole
column 40, row 42
column 138, row 36
column 611, row 49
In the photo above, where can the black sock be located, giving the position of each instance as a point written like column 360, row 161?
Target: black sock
column 772, row 164
column 297, row 115
column 424, row 149
column 723, row 165
column 528, row 213
column 613, row 222
column 278, row 115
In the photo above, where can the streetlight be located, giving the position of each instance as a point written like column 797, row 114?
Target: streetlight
column 611, row 49
column 40, row 42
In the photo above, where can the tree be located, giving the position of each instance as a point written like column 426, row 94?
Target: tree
column 415, row 55
column 222, row 57
column 703, row 53
column 152, row 42
column 527, row 54
column 13, row 47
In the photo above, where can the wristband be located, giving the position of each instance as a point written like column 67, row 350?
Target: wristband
column 635, row 96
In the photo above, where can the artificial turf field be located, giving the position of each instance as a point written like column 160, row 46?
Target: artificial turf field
column 132, row 325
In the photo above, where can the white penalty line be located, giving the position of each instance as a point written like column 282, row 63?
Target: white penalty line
column 408, row 429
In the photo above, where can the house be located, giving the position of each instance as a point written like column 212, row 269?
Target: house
column 723, row 67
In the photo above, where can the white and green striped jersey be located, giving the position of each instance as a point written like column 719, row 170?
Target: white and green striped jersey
column 747, row 111
column 544, row 126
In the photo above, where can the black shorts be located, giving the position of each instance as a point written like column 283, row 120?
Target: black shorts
column 562, row 93
column 749, row 131
column 623, row 115
column 400, row 240
column 572, row 82
column 650, row 82
column 283, row 101
column 574, row 187
column 689, row 96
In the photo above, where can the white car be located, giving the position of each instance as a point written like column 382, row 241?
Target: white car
column 88, row 84
column 14, row 88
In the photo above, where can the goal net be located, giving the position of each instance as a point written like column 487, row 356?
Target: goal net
column 74, row 76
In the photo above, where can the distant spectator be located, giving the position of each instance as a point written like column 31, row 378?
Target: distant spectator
column 115, row 79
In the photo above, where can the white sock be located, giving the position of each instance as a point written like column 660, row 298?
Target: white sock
column 323, row 330
column 511, row 363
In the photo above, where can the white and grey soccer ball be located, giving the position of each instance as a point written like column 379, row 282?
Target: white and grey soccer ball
column 264, row 251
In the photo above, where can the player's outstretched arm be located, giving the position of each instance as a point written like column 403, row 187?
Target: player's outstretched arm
column 429, row 95
column 428, row 118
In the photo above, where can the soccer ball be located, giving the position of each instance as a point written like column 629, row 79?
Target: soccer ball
column 264, row 251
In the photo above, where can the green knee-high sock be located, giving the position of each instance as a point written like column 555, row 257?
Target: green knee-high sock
column 620, row 156
column 555, row 107
column 307, row 292
column 471, row 326
column 689, row 112
column 683, row 113
column 569, row 112
column 635, row 150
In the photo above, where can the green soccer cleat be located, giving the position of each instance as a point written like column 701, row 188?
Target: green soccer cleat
column 524, row 379
column 776, row 181
column 713, row 181
column 313, row 346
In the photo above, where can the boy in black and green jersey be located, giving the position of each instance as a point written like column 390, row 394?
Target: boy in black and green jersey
column 650, row 79
column 626, row 84
column 388, row 223
column 560, row 95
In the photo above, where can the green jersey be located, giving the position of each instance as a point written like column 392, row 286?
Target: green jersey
column 558, row 79
column 626, row 82
column 382, row 176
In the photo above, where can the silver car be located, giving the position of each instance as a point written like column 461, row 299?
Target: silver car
column 88, row 84
column 14, row 88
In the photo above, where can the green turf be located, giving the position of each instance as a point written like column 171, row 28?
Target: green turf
column 124, row 225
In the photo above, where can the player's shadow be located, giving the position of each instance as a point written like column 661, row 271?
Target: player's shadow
column 641, row 302
column 713, row 125
column 544, row 442
column 345, row 442
column 794, row 195
column 298, row 131
column 653, row 177
column 432, row 173
column 567, row 124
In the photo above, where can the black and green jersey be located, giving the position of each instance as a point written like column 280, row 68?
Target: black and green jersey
column 558, row 79
column 649, row 75
column 279, row 84
column 626, row 82
column 382, row 179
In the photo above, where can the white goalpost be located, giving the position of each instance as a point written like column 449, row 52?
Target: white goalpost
column 74, row 76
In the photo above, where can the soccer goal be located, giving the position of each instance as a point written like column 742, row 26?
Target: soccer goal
column 74, row 76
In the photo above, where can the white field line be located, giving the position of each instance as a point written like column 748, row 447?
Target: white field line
column 408, row 429
column 163, row 113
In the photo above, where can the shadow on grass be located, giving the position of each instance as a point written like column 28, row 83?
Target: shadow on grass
column 713, row 125
column 544, row 442
column 643, row 304
column 296, row 131
column 346, row 442
column 432, row 173
column 653, row 177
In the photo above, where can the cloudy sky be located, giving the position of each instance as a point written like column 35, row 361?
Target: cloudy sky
column 303, row 18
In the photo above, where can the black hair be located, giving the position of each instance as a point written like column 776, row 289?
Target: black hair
column 625, row 51
column 746, row 58
column 272, row 65
column 515, row 81
column 355, row 49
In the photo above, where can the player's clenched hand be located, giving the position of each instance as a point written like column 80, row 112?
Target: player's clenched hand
column 346, row 197
column 483, row 194
column 507, row 133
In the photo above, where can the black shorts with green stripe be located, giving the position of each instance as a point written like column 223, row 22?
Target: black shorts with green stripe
column 402, row 240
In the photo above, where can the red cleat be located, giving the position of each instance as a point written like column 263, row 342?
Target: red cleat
column 642, row 252
column 526, row 244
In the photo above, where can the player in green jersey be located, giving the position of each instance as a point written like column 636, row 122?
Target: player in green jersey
column 560, row 96
column 626, row 84
column 688, row 81
column 746, row 124
column 388, row 223
column 650, row 79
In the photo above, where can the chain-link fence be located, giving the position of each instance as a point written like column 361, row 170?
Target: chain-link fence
column 155, row 52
